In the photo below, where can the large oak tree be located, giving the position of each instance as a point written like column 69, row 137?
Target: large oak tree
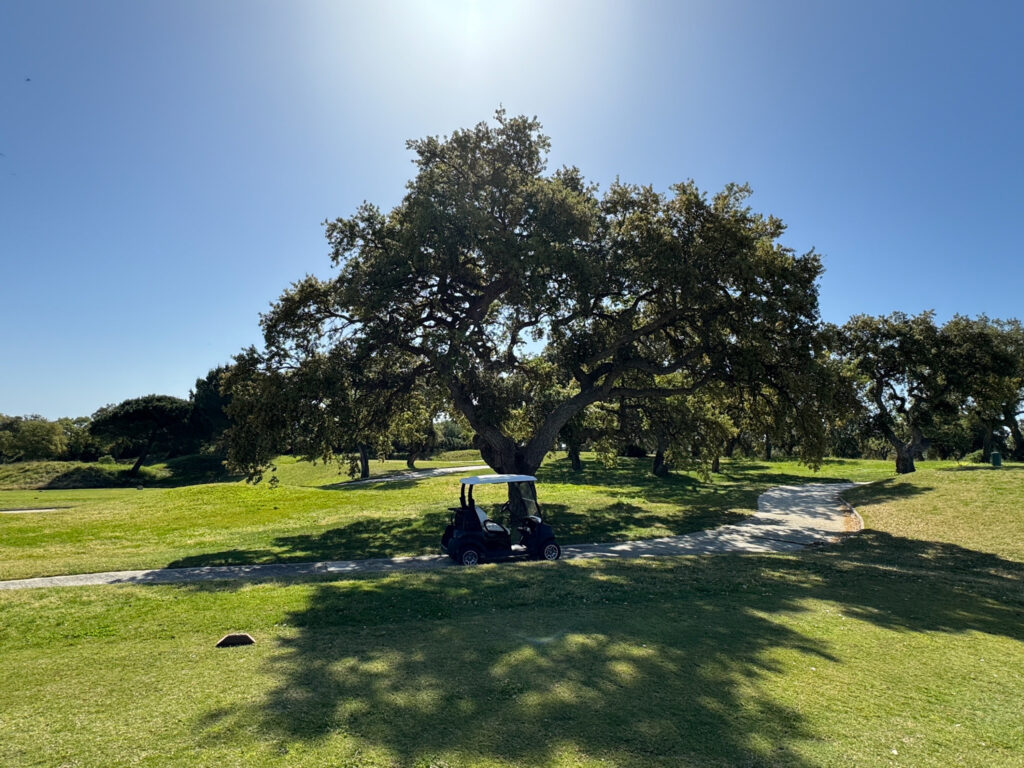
column 508, row 287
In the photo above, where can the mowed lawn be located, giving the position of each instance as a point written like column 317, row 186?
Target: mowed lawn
column 902, row 646
column 197, row 469
column 314, row 515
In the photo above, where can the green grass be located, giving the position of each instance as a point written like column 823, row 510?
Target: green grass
column 193, row 470
column 64, row 475
column 310, row 516
column 292, row 471
column 974, row 506
column 899, row 647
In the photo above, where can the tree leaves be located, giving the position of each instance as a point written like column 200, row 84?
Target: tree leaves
column 525, row 297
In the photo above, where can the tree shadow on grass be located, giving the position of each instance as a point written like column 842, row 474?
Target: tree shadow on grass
column 984, row 468
column 382, row 536
column 637, row 663
column 728, row 498
column 397, row 479
column 359, row 539
column 381, row 483
column 623, row 521
column 879, row 550
column 682, row 506
column 888, row 489
column 88, row 477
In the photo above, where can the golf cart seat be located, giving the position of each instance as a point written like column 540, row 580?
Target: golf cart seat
column 477, row 520
column 491, row 526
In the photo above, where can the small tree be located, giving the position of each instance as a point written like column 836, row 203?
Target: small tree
column 323, row 409
column 688, row 431
column 1013, row 404
column 455, row 432
column 584, row 428
column 8, row 432
column 413, row 430
column 144, row 423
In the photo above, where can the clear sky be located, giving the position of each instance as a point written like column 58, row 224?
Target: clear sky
column 166, row 166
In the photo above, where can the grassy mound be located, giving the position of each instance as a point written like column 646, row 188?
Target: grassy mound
column 60, row 475
column 196, row 470
column 63, row 475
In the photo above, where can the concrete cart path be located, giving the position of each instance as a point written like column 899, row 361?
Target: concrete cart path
column 788, row 518
column 416, row 474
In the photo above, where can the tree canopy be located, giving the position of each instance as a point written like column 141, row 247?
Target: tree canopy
column 525, row 296
column 209, row 418
column 30, row 437
column 146, row 421
column 915, row 377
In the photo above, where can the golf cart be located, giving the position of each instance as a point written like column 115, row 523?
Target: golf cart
column 472, row 537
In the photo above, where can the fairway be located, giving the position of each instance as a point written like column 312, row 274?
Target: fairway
column 901, row 646
column 475, row 384
column 310, row 516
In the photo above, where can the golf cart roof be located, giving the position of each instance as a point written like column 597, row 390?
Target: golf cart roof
column 494, row 479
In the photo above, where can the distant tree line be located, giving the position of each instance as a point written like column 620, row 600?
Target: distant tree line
column 898, row 387
column 133, row 429
column 139, row 428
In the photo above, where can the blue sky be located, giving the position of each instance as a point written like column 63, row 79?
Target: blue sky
column 167, row 165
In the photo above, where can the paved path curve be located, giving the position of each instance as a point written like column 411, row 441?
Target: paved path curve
column 415, row 474
column 788, row 518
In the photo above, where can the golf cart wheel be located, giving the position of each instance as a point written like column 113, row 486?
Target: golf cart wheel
column 469, row 556
column 551, row 551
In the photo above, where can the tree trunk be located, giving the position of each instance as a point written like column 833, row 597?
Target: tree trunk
column 1010, row 419
column 506, row 458
column 905, row 459
column 730, row 447
column 986, row 442
column 905, row 451
column 767, row 448
column 574, row 458
column 659, row 468
column 716, row 466
column 410, row 460
column 138, row 462
column 364, row 462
